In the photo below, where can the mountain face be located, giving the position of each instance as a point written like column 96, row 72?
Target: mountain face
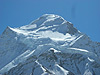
column 49, row 45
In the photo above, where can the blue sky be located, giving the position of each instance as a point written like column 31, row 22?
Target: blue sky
column 84, row 14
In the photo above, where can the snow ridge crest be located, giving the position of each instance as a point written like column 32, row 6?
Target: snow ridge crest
column 48, row 22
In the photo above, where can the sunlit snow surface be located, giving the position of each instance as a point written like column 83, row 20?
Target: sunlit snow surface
column 49, row 45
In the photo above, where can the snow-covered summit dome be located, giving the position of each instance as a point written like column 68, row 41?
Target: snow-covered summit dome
column 51, row 22
column 49, row 19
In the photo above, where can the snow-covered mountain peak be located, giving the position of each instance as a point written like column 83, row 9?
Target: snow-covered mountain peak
column 48, row 45
column 48, row 17
column 48, row 22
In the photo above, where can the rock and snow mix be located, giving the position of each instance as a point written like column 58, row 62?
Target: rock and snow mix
column 49, row 45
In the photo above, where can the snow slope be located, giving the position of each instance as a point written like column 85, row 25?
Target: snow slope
column 48, row 45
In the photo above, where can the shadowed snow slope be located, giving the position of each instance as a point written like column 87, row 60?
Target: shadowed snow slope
column 49, row 45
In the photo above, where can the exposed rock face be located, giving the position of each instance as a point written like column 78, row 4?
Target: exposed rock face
column 49, row 45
